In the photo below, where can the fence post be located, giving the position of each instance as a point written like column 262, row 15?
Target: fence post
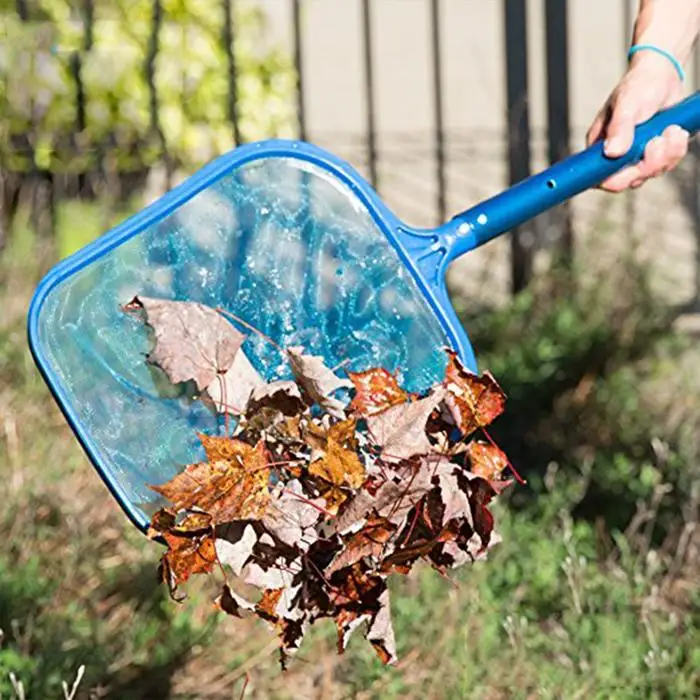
column 299, row 67
column 150, row 72
column 438, row 110
column 232, row 95
column 369, row 91
column 558, row 127
column 518, row 134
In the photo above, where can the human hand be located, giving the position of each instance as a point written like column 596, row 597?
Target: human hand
column 650, row 84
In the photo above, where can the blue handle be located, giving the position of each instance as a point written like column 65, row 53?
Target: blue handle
column 562, row 181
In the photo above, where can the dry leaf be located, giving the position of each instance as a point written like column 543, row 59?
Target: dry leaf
column 313, row 509
column 234, row 546
column 376, row 390
column 317, row 380
column 400, row 430
column 368, row 542
column 381, row 633
column 187, row 555
column 232, row 486
column 474, row 401
column 282, row 396
column 486, row 460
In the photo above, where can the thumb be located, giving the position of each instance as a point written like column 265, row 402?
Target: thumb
column 619, row 134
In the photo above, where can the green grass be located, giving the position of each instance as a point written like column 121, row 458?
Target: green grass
column 591, row 594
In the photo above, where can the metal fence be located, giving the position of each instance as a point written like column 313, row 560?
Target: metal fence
column 428, row 173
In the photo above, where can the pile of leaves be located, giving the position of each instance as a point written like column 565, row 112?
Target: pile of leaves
column 310, row 501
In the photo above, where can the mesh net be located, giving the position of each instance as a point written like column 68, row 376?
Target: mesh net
column 280, row 243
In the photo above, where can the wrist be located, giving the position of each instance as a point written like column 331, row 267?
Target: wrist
column 657, row 66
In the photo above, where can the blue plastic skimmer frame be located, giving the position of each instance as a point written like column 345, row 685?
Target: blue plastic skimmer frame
column 292, row 240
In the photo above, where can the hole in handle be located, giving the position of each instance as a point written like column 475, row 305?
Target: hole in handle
column 551, row 184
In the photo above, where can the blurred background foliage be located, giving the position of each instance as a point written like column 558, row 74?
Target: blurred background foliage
column 96, row 95
column 594, row 591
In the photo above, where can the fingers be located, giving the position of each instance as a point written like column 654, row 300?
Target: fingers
column 661, row 154
column 595, row 131
column 619, row 134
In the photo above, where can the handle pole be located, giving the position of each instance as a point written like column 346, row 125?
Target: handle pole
column 561, row 182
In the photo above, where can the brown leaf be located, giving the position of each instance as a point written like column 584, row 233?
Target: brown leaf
column 270, row 577
column 267, row 605
column 368, row 542
column 193, row 341
column 161, row 521
column 353, row 585
column 474, row 401
column 395, row 498
column 317, row 380
column 187, row 555
column 454, row 499
column 347, row 620
column 381, row 632
column 233, row 485
column 231, row 391
column 400, row 430
column 481, row 494
column 376, row 390
column 232, row 603
column 282, row 396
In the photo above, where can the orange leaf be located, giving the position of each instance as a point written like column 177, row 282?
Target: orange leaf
column 376, row 390
column 474, row 401
column 486, row 461
column 268, row 603
column 340, row 465
column 187, row 555
column 233, row 485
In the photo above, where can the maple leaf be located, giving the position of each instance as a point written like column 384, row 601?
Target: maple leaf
column 370, row 541
column 317, row 380
column 376, row 390
column 193, row 342
column 291, row 516
column 233, row 604
column 187, row 554
column 400, row 430
column 232, row 485
column 231, row 391
column 486, row 460
column 347, row 620
column 351, row 501
column 190, row 544
column 381, row 632
column 234, row 545
column 281, row 396
column 267, row 605
column 474, row 401
column 481, row 494
column 339, row 466
column 455, row 500
column 396, row 496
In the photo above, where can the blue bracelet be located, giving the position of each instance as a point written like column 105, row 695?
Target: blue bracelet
column 650, row 47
